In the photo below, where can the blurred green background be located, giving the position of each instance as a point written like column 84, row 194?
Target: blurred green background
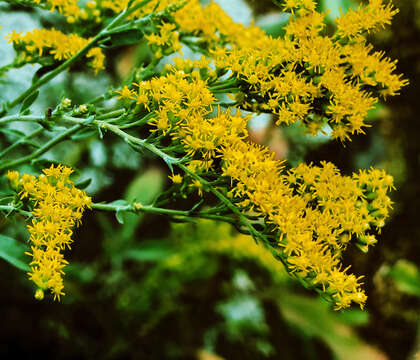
column 141, row 287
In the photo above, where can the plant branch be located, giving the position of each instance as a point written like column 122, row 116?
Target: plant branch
column 41, row 150
column 21, row 141
column 137, row 208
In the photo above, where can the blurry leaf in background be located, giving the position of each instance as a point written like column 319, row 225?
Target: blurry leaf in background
column 313, row 317
column 123, row 157
column 14, row 252
column 149, row 250
column 242, row 313
column 300, row 143
column 335, row 6
column 121, row 242
column 98, row 153
column 143, row 189
column 81, row 272
column 406, row 276
column 273, row 23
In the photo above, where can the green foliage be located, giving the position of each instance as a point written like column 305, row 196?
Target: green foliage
column 13, row 252
column 406, row 276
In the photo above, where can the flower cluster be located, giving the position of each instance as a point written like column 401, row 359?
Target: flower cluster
column 312, row 77
column 57, row 207
column 68, row 8
column 307, row 75
column 35, row 46
column 314, row 212
column 306, row 216
column 166, row 38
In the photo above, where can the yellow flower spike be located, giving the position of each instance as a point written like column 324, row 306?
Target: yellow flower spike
column 58, row 207
column 53, row 42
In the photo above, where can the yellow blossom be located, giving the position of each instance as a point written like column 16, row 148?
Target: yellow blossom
column 58, row 207
column 43, row 42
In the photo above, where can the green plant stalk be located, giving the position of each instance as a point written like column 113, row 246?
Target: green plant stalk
column 130, row 139
column 11, row 208
column 243, row 219
column 20, row 118
column 21, row 141
column 111, row 114
column 10, row 164
column 137, row 208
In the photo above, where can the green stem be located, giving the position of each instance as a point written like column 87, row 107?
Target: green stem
column 41, row 150
column 136, row 208
column 225, row 90
column 131, row 140
column 223, row 84
column 21, row 141
column 54, row 72
column 256, row 234
column 20, row 118
column 140, row 122
column 111, row 114
column 12, row 208
column 127, row 12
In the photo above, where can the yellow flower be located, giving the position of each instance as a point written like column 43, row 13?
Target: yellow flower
column 125, row 93
column 61, row 46
column 176, row 178
column 58, row 207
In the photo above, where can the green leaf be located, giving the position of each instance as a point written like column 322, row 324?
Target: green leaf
column 13, row 252
column 334, row 6
column 42, row 71
column 40, row 164
column 84, row 183
column 313, row 317
column 406, row 276
column 85, row 133
column 28, row 101
column 119, row 202
column 149, row 251
column 12, row 132
column 273, row 24
column 144, row 189
column 119, row 216
column 124, row 38
column 82, row 272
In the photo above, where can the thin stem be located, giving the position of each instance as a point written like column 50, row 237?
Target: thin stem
column 111, row 114
column 21, row 141
column 41, row 150
column 20, row 118
column 256, row 234
column 144, row 120
column 127, row 11
column 12, row 208
column 137, row 207
column 131, row 140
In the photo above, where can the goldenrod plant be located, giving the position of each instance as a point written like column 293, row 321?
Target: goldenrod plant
column 193, row 114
